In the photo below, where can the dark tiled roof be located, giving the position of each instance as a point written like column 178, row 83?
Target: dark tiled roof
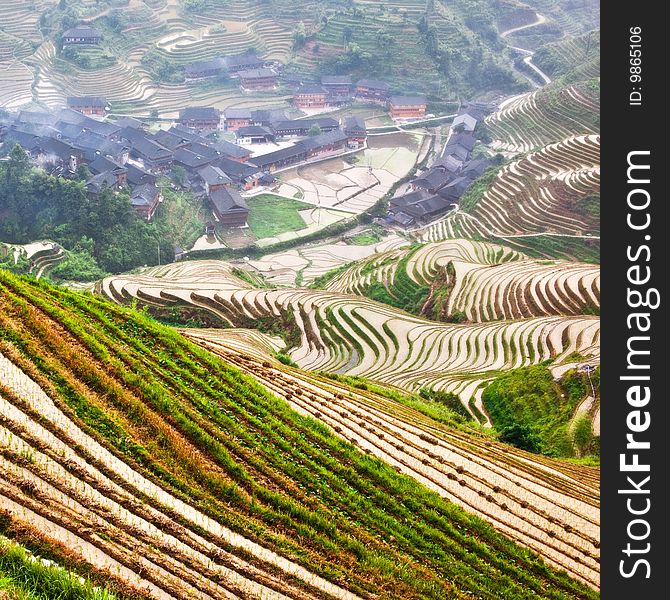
column 151, row 150
column 408, row 100
column 213, row 175
column 69, row 130
column 305, row 124
column 170, row 140
column 354, row 125
column 373, row 83
column 102, row 128
column 476, row 168
column 324, row 139
column 458, row 151
column 205, row 150
column 292, row 152
column 107, row 178
column 450, row 163
column 137, row 176
column 256, row 73
column 410, row 198
column 434, row 179
column 268, row 115
column 191, row 159
column 428, row 207
column 199, row 66
column 237, row 171
column 246, row 60
column 57, row 147
column 227, row 200
column 312, row 89
column 82, row 31
column 37, row 118
column 464, row 138
column 129, row 122
column 199, row 113
column 229, row 149
column 144, row 195
column 85, row 101
column 102, row 164
column 468, row 122
column 67, row 115
column 336, row 80
column 237, row 113
column 253, row 131
column 186, row 132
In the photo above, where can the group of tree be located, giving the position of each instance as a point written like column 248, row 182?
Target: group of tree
column 35, row 205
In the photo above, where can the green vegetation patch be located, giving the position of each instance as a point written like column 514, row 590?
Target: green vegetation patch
column 270, row 215
column 533, row 412
column 25, row 577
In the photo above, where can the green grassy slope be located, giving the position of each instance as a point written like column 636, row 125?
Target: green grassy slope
column 210, row 436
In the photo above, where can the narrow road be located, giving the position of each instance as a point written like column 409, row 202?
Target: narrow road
column 528, row 60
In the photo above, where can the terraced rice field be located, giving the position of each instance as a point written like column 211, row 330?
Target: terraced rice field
column 546, row 116
column 42, row 256
column 539, row 193
column 355, row 336
column 490, row 282
column 306, row 264
column 181, row 477
column 572, row 58
column 468, row 473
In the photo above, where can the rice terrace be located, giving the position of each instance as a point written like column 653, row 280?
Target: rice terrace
column 299, row 299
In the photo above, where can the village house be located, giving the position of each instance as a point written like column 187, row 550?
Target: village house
column 339, row 88
column 417, row 206
column 407, row 107
column 231, row 150
column 137, row 176
column 242, row 62
column 373, row 90
column 322, row 145
column 245, row 175
column 203, row 69
column 89, row 105
column 310, row 95
column 213, row 178
column 171, row 141
column 200, row 118
column 229, row 207
column 234, row 118
column 145, row 199
column 56, row 156
column 432, row 180
column 267, row 117
column 82, row 35
column 116, row 180
column 356, row 131
column 301, row 127
column 254, row 134
column 191, row 161
column 463, row 122
column 93, row 146
column 152, row 155
column 255, row 80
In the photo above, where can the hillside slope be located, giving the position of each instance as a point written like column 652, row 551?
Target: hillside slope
column 177, row 474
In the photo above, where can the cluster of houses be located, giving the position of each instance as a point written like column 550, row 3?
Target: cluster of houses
column 124, row 155
column 254, row 74
column 338, row 90
column 438, row 188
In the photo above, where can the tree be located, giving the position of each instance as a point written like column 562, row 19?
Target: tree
column 299, row 36
column 347, row 35
column 521, row 436
column 314, row 130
